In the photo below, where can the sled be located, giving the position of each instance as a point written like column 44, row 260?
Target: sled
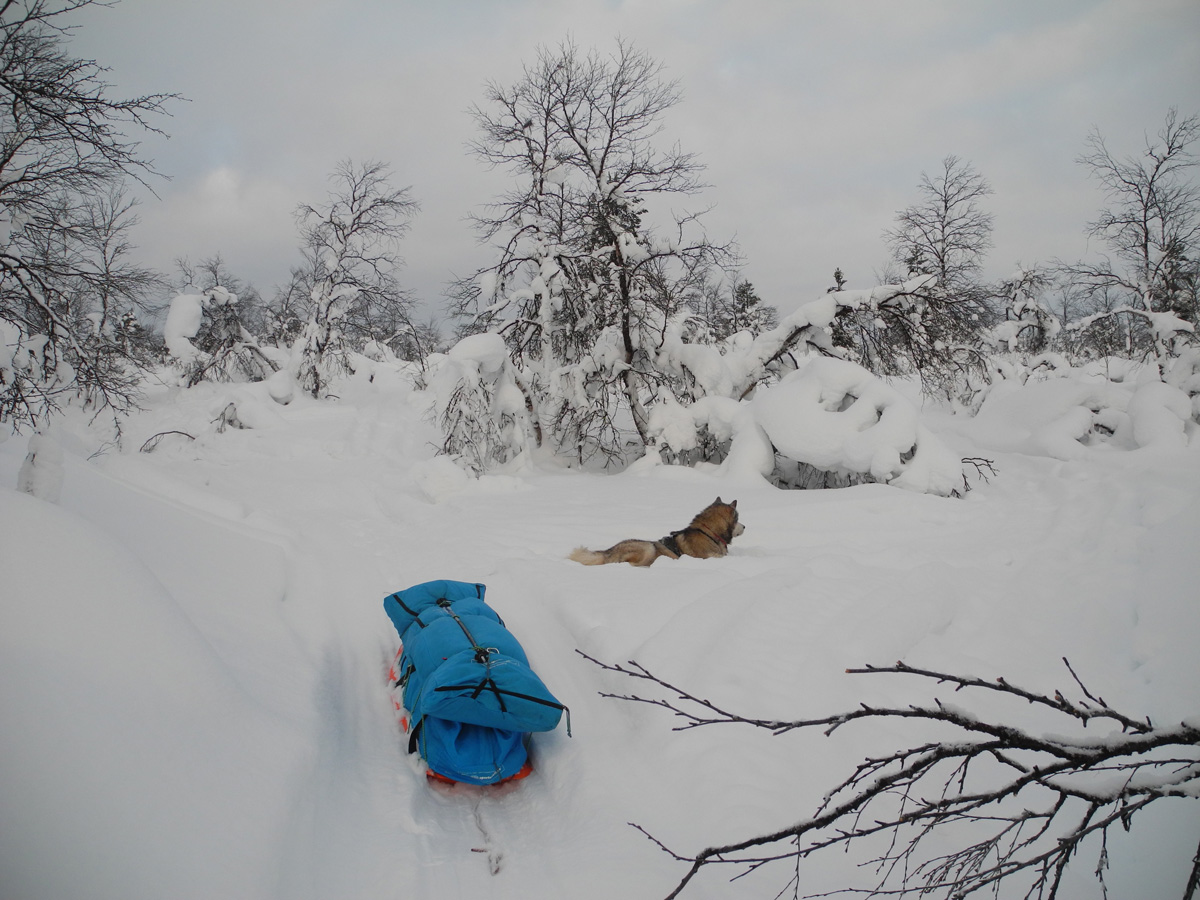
column 462, row 688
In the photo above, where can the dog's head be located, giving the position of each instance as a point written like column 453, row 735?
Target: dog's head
column 721, row 518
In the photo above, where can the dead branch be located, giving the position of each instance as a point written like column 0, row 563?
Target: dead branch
column 1024, row 803
column 153, row 441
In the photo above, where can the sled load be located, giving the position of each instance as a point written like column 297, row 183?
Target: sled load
column 462, row 686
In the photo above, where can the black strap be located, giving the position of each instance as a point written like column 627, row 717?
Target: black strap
column 491, row 685
column 477, row 688
column 671, row 542
column 404, row 606
column 403, row 679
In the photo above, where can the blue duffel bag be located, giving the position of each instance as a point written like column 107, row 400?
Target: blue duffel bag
column 466, row 682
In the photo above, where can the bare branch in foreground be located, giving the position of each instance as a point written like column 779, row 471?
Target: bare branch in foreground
column 1017, row 805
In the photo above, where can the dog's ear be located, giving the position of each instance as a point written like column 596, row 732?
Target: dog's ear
column 734, row 504
column 717, row 502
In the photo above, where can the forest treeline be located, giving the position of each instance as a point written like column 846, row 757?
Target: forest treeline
column 614, row 311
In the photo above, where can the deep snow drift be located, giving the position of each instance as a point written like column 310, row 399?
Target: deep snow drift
column 193, row 646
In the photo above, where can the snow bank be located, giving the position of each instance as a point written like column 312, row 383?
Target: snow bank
column 134, row 764
column 1159, row 414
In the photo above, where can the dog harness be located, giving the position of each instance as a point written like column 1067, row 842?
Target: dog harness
column 671, row 541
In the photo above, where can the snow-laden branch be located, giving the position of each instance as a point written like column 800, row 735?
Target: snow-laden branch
column 1019, row 803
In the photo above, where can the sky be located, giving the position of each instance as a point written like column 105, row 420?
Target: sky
column 814, row 118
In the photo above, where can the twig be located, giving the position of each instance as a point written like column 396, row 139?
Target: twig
column 1053, row 793
column 152, row 442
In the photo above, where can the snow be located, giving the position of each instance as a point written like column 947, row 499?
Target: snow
column 41, row 473
column 835, row 415
column 485, row 351
column 282, row 387
column 1061, row 416
column 1159, row 414
column 183, row 323
column 193, row 645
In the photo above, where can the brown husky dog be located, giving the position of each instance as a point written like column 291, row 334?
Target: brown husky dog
column 708, row 535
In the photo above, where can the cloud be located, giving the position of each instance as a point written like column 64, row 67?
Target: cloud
column 221, row 211
column 815, row 119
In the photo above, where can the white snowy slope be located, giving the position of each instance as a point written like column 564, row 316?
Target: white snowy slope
column 192, row 650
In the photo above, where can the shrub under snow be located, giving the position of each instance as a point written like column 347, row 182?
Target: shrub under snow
column 204, row 334
column 788, row 406
column 1116, row 404
column 836, row 416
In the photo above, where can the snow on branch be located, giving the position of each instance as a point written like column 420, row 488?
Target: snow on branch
column 1006, row 804
column 1168, row 332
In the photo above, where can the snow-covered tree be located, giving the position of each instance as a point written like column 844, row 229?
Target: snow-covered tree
column 1152, row 222
column 66, row 279
column 587, row 280
column 219, row 346
column 728, row 306
column 937, row 332
column 1146, row 292
column 735, row 403
column 213, row 272
column 482, row 411
column 347, row 282
column 204, row 335
column 1029, row 325
column 787, row 404
column 418, row 342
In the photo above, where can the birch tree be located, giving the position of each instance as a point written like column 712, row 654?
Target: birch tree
column 66, row 278
column 1151, row 228
column 351, row 259
column 945, row 234
column 589, row 269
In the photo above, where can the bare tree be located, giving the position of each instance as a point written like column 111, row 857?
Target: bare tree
column 351, row 257
column 414, row 342
column 1014, row 805
column 583, row 284
column 1152, row 230
column 945, row 235
column 65, row 275
column 1152, row 223
column 729, row 306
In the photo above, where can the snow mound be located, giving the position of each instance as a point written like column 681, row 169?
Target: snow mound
column 41, row 473
column 439, row 478
column 125, row 737
column 1068, row 416
column 836, row 416
column 183, row 323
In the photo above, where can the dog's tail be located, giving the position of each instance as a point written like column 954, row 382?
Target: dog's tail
column 588, row 557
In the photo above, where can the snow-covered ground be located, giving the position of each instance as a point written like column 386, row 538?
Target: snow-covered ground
column 193, row 648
